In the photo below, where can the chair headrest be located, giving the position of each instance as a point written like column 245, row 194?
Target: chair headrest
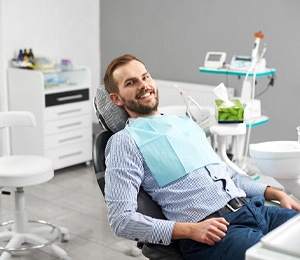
column 110, row 115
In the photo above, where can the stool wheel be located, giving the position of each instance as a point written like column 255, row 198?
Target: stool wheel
column 135, row 251
column 65, row 237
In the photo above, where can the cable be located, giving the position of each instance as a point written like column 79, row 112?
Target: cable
column 262, row 92
column 252, row 96
column 271, row 84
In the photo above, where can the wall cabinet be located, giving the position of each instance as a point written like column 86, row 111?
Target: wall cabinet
column 61, row 104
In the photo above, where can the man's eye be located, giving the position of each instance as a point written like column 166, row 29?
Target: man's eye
column 146, row 77
column 129, row 83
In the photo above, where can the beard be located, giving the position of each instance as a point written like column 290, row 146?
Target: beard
column 138, row 108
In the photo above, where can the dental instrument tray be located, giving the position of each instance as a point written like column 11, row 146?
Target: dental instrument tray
column 281, row 243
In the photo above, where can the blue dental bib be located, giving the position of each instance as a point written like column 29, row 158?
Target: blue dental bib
column 172, row 146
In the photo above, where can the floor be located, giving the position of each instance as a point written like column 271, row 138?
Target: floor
column 73, row 200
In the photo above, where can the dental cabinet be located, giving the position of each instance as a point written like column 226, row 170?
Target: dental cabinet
column 61, row 104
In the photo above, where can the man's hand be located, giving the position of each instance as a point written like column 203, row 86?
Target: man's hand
column 285, row 200
column 209, row 231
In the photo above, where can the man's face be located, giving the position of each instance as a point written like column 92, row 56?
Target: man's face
column 137, row 90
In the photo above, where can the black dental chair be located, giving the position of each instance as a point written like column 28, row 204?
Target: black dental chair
column 113, row 118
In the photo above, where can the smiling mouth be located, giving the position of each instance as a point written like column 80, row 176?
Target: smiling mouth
column 145, row 95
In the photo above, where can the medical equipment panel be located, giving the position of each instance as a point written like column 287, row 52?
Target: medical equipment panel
column 241, row 62
column 214, row 59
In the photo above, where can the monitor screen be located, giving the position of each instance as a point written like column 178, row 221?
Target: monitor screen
column 214, row 57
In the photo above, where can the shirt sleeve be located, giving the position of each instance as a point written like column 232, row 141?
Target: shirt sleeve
column 246, row 183
column 123, row 178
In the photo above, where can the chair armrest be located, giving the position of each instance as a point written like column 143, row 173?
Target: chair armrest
column 162, row 252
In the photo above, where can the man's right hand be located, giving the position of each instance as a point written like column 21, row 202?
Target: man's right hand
column 209, row 231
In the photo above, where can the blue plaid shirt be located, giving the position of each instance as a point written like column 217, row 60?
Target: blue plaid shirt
column 188, row 199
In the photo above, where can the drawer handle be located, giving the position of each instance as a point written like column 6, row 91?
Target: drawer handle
column 69, row 155
column 69, row 111
column 70, row 138
column 61, row 99
column 68, row 125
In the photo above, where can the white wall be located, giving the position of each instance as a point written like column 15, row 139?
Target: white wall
column 52, row 28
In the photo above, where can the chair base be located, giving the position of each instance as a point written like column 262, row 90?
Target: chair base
column 20, row 242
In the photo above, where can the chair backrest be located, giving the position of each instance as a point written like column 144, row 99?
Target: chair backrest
column 13, row 119
column 110, row 116
column 113, row 118
column 146, row 205
column 16, row 118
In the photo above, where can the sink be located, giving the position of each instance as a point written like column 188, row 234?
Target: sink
column 280, row 160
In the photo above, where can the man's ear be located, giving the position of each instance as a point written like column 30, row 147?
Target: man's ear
column 114, row 97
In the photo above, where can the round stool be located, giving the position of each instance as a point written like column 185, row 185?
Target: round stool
column 17, row 172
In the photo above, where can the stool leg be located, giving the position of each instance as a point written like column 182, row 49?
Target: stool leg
column 20, row 233
column 6, row 236
column 16, row 241
column 5, row 256
column 20, row 223
column 37, row 240
column 40, row 230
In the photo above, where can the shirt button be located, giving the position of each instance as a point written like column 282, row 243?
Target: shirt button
column 227, row 189
column 215, row 177
column 160, row 241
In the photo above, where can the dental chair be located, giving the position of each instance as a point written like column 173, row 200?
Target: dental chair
column 112, row 118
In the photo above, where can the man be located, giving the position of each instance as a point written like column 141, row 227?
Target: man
column 171, row 159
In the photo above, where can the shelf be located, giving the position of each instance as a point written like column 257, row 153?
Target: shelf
column 50, row 89
column 228, row 71
column 256, row 121
column 56, row 71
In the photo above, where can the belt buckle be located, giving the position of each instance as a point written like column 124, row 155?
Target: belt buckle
column 231, row 208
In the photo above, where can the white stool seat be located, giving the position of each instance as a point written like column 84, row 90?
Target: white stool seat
column 24, row 170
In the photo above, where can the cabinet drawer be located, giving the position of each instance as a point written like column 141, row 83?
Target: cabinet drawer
column 67, row 138
column 68, row 124
column 67, row 110
column 70, row 154
column 66, row 97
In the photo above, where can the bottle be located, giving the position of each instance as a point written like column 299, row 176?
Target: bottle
column 31, row 56
column 25, row 55
column 20, row 56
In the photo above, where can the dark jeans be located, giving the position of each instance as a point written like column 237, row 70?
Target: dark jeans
column 247, row 226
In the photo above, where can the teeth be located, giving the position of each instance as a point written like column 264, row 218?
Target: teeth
column 145, row 95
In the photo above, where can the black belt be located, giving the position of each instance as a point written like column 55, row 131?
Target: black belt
column 233, row 205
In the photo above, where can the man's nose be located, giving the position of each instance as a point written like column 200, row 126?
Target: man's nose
column 143, row 85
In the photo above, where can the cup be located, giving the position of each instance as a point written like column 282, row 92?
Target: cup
column 298, row 129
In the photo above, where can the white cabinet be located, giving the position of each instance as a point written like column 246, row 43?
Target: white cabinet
column 62, row 107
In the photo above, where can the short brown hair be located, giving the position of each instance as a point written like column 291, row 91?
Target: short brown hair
column 108, row 79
